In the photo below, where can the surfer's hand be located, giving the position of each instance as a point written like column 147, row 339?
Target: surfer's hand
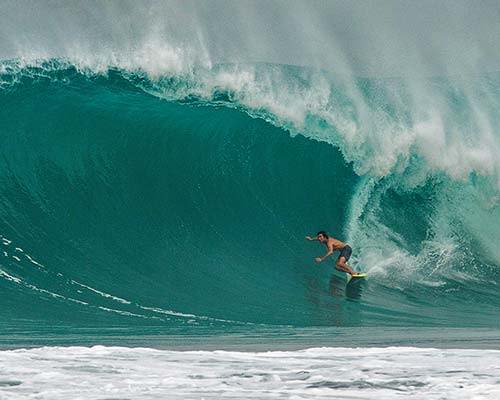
column 309, row 238
column 318, row 259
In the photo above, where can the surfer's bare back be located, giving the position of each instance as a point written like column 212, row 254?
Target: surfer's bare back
column 332, row 245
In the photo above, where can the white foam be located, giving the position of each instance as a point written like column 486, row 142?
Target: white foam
column 103, row 294
column 34, row 261
column 387, row 252
column 342, row 373
column 9, row 277
column 127, row 313
column 157, row 310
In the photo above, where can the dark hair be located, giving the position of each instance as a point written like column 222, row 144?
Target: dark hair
column 322, row 233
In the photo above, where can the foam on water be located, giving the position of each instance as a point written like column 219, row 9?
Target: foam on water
column 343, row 373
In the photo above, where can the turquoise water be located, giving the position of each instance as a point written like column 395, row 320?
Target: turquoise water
column 123, row 206
column 161, row 163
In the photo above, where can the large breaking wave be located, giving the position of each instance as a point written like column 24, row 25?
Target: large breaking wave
column 154, row 177
column 127, row 199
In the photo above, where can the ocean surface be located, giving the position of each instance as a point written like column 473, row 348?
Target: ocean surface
column 155, row 193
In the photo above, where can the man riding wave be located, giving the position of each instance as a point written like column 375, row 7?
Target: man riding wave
column 332, row 245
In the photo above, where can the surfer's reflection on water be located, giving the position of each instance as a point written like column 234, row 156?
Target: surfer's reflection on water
column 337, row 286
column 340, row 288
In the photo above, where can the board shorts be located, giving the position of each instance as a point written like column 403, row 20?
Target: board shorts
column 346, row 252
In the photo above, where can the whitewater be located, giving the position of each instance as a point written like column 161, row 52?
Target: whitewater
column 116, row 372
column 162, row 162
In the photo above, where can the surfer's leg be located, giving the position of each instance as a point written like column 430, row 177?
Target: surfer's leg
column 342, row 266
column 344, row 256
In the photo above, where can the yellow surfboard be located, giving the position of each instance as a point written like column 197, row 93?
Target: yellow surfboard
column 353, row 278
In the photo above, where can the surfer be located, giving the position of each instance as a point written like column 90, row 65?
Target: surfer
column 332, row 245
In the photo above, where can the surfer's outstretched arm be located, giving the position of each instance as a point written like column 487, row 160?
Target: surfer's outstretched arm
column 311, row 238
column 328, row 254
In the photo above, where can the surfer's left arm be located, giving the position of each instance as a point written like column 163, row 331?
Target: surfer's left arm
column 328, row 254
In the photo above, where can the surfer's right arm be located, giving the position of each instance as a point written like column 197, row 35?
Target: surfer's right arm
column 311, row 238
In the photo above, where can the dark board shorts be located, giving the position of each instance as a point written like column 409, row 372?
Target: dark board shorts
column 346, row 252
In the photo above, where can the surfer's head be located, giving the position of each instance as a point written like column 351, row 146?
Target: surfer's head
column 322, row 236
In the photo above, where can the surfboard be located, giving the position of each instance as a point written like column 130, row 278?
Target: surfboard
column 354, row 278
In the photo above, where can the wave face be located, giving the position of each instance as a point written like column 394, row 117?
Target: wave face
column 183, row 200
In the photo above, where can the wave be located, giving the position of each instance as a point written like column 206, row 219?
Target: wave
column 183, row 198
